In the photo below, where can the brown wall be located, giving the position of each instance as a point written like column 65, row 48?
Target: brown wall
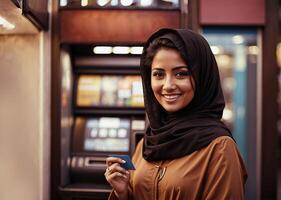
column 106, row 26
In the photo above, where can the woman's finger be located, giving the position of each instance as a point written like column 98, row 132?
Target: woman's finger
column 111, row 160
column 116, row 175
column 116, row 167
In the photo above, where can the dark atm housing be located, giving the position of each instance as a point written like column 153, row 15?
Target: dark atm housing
column 106, row 108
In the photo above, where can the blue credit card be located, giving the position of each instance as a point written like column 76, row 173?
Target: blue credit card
column 128, row 165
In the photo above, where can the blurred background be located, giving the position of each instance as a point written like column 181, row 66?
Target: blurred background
column 71, row 92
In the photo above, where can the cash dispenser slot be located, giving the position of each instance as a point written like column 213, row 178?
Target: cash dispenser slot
column 88, row 169
column 95, row 162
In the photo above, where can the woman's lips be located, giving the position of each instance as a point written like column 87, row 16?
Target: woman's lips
column 171, row 97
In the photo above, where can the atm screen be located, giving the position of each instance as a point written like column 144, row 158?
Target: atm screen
column 109, row 90
column 107, row 134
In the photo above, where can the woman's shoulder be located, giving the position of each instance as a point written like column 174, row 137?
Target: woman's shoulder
column 222, row 142
column 223, row 147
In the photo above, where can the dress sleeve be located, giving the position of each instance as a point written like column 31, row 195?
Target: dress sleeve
column 112, row 195
column 226, row 174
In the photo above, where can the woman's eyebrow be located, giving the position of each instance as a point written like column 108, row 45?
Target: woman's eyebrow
column 175, row 68
column 180, row 67
column 156, row 68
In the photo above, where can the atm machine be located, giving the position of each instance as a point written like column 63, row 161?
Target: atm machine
column 107, row 116
column 97, row 100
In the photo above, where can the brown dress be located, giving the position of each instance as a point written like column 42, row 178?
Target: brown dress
column 215, row 172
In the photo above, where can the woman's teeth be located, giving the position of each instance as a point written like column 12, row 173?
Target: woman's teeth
column 171, row 97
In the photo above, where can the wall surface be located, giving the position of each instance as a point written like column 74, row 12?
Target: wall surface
column 23, row 118
column 232, row 12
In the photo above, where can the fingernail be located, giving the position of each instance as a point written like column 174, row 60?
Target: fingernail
column 123, row 161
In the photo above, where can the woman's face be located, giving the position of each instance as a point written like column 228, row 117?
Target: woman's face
column 171, row 81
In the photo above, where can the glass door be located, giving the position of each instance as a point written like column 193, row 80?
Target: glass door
column 237, row 51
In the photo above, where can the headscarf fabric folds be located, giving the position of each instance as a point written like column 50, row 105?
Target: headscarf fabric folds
column 173, row 135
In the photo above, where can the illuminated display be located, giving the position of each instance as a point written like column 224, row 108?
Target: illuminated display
column 107, row 134
column 105, row 90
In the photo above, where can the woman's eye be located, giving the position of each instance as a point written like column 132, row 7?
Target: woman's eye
column 157, row 74
column 182, row 74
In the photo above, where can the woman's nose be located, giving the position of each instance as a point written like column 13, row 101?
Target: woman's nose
column 169, row 84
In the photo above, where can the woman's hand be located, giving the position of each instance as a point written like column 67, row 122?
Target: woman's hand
column 117, row 176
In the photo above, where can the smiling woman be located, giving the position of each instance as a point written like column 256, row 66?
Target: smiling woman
column 187, row 151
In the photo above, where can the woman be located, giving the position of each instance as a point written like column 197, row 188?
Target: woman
column 187, row 152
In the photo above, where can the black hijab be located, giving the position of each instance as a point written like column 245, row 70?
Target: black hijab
column 173, row 135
